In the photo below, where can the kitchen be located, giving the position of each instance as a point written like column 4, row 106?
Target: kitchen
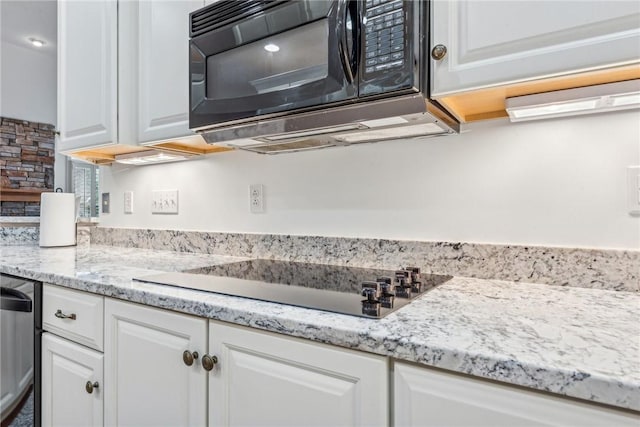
column 536, row 204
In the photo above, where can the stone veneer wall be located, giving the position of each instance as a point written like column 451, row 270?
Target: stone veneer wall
column 27, row 154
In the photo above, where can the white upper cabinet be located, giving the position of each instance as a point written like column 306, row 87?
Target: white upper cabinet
column 123, row 73
column 492, row 43
column 163, row 75
column 87, row 74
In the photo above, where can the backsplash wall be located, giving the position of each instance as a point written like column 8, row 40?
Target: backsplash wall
column 549, row 183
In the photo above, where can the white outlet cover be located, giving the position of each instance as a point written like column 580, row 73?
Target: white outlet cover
column 256, row 198
column 633, row 190
column 164, row 202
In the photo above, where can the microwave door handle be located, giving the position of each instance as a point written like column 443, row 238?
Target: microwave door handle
column 355, row 36
column 347, row 10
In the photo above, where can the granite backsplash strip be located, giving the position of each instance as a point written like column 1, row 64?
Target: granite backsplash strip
column 586, row 268
column 12, row 235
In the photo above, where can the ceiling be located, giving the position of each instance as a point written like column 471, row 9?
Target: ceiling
column 22, row 19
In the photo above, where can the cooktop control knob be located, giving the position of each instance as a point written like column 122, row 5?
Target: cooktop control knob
column 387, row 294
column 386, row 285
column 416, row 284
column 371, row 290
column 371, row 305
column 403, row 284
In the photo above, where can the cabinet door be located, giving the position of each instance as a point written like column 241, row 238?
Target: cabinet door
column 149, row 384
column 498, row 42
column 66, row 369
column 163, row 80
column 270, row 380
column 87, row 74
column 427, row 397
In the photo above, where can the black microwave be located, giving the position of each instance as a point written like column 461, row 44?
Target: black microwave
column 262, row 58
column 277, row 76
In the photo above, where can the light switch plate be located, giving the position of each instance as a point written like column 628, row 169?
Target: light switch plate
column 106, row 204
column 128, row 202
column 164, row 202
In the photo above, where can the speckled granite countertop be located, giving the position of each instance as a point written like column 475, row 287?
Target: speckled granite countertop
column 577, row 342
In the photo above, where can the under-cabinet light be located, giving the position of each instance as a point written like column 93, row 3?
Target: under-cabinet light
column 312, row 132
column 150, row 157
column 572, row 102
column 412, row 131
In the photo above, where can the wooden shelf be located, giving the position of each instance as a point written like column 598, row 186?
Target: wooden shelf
column 21, row 195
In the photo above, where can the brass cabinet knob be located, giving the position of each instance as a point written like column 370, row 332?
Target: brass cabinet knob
column 89, row 386
column 60, row 315
column 188, row 357
column 208, row 362
column 438, row 52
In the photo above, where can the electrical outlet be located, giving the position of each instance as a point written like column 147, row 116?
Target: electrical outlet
column 256, row 198
column 128, row 202
column 633, row 190
column 164, row 202
column 106, row 205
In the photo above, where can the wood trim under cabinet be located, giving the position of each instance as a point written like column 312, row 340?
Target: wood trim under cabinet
column 106, row 155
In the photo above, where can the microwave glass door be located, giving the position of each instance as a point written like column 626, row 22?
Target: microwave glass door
column 290, row 56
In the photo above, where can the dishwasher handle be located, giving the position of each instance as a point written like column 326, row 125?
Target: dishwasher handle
column 14, row 300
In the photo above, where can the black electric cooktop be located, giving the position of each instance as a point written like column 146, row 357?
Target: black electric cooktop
column 363, row 292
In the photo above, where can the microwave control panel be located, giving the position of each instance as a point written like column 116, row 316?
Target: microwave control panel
column 384, row 24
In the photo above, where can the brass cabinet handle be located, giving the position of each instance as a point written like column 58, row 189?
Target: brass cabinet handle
column 438, row 52
column 60, row 315
column 208, row 362
column 89, row 386
column 188, row 357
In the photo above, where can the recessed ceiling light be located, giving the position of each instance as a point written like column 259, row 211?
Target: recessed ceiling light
column 271, row 47
column 36, row 42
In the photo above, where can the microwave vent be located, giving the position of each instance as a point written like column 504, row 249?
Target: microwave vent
column 225, row 12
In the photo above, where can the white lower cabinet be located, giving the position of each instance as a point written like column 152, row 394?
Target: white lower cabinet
column 428, row 397
column 264, row 379
column 149, row 382
column 259, row 378
column 72, row 384
column 163, row 368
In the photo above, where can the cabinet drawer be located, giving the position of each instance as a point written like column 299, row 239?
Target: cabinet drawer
column 84, row 321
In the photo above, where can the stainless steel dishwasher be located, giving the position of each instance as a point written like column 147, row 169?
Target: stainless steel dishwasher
column 20, row 338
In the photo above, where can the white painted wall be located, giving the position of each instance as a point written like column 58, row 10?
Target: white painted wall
column 559, row 182
column 28, row 84
column 28, row 90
